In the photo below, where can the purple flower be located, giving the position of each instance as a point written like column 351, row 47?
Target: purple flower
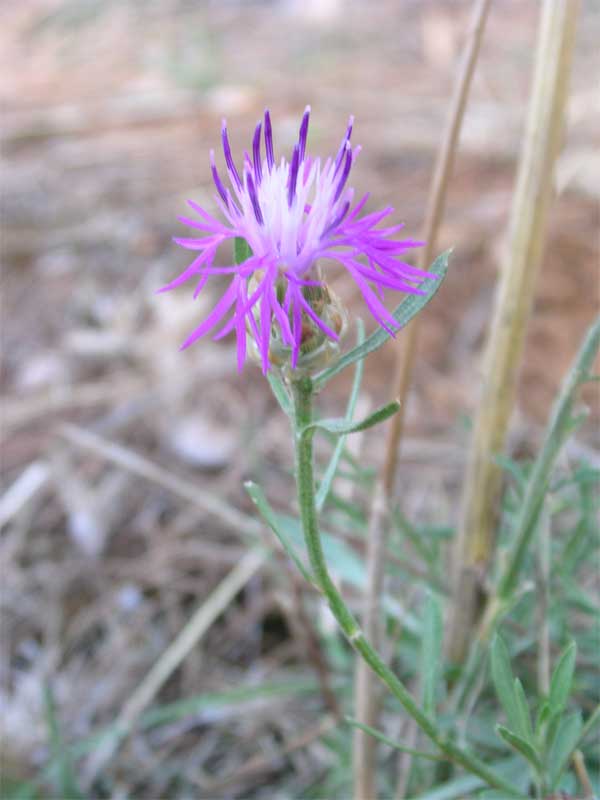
column 291, row 215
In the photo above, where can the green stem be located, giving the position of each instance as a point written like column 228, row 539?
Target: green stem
column 303, row 391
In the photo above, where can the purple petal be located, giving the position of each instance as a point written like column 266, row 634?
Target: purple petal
column 193, row 269
column 297, row 326
column 240, row 330
column 379, row 311
column 197, row 244
column 216, row 314
column 217, row 180
column 317, row 320
column 265, row 330
column 281, row 316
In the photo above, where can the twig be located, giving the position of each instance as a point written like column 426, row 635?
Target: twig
column 364, row 749
column 188, row 638
column 262, row 763
column 19, row 412
column 30, row 482
column 475, row 543
column 146, row 469
column 582, row 775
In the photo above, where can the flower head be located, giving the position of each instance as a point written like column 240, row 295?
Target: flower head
column 292, row 214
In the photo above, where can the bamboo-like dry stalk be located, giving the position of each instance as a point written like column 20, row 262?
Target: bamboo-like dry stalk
column 365, row 687
column 475, row 544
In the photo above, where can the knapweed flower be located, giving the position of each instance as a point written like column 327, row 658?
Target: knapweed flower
column 293, row 215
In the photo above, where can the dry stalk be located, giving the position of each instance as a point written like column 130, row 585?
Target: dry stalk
column 365, row 692
column 208, row 611
column 475, row 544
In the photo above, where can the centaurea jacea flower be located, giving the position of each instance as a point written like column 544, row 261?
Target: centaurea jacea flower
column 292, row 215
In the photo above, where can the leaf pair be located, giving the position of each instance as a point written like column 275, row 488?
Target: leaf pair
column 548, row 748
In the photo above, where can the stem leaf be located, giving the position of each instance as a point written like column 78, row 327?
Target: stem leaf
column 431, row 647
column 258, row 497
column 340, row 426
column 565, row 742
column 562, row 679
column 505, row 685
column 281, row 394
column 329, row 474
column 386, row 740
column 241, row 250
column 520, row 745
column 403, row 314
column 523, row 711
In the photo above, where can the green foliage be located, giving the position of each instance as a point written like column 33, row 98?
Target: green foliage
column 64, row 781
column 403, row 314
column 330, row 472
column 431, row 654
column 342, row 426
column 280, row 530
column 241, row 250
column 562, row 680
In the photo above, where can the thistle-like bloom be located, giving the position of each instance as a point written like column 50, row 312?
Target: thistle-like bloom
column 292, row 215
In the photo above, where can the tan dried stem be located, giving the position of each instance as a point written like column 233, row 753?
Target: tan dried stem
column 475, row 544
column 365, row 697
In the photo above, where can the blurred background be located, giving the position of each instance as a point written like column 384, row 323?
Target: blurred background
column 123, row 459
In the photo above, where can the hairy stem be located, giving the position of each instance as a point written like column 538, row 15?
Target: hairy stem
column 303, row 405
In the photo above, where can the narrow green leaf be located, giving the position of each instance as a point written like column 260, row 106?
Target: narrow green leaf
column 258, row 497
column 241, row 250
column 494, row 794
column 504, row 683
column 66, row 783
column 562, row 678
column 403, row 313
column 543, row 715
column 330, row 472
column 431, row 650
column 564, row 744
column 554, row 437
column 343, row 426
column 520, row 745
column 281, row 394
column 343, row 558
column 386, row 740
column 523, row 711
column 551, row 729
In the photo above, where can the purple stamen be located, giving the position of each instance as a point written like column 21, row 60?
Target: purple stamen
column 256, row 154
column 333, row 225
column 341, row 151
column 269, row 141
column 254, row 198
column 293, row 175
column 304, row 132
column 229, row 158
column 345, row 173
column 216, row 178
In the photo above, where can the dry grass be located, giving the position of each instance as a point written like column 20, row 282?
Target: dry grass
column 118, row 526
